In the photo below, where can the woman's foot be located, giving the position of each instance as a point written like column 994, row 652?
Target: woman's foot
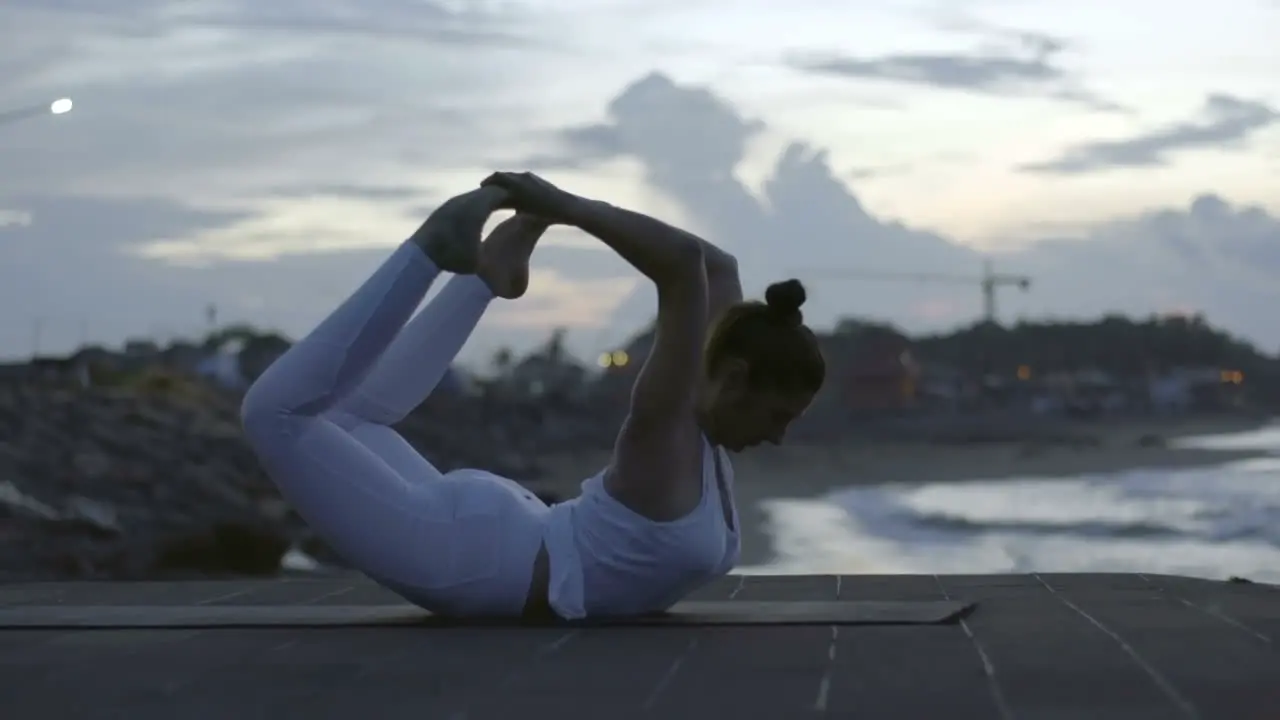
column 451, row 235
column 504, row 255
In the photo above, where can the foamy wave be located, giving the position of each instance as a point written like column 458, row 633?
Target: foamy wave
column 1208, row 522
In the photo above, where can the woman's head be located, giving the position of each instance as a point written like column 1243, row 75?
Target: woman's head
column 763, row 367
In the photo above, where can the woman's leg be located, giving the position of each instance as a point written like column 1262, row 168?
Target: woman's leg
column 408, row 372
column 393, row 530
column 323, row 368
column 423, row 352
column 350, row 496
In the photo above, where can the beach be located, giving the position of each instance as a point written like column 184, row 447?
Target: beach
column 772, row 476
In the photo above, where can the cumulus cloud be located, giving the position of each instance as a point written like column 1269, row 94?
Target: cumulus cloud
column 1211, row 255
column 690, row 142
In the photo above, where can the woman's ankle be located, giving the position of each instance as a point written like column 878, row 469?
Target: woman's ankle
column 450, row 237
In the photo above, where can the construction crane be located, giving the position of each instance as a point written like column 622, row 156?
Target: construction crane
column 989, row 281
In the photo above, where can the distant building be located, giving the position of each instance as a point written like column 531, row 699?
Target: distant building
column 870, row 368
column 943, row 386
column 1195, row 389
column 881, row 375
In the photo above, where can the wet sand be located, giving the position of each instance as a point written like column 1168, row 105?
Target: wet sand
column 798, row 471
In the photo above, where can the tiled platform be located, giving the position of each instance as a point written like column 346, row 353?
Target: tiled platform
column 1036, row 646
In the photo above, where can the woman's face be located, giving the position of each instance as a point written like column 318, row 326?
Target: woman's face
column 746, row 416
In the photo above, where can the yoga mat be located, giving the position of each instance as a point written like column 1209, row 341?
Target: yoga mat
column 690, row 613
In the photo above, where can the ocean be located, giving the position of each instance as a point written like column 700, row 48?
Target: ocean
column 1211, row 522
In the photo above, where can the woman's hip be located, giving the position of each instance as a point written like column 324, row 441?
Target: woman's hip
column 463, row 544
column 478, row 557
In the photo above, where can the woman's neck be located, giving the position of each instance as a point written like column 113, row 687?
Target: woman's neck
column 706, row 423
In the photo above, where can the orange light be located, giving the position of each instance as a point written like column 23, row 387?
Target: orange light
column 1024, row 372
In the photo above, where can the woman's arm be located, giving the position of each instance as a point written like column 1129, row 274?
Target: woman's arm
column 661, row 252
column 724, row 287
column 674, row 260
column 656, row 469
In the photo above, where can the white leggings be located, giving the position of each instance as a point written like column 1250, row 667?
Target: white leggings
column 462, row 543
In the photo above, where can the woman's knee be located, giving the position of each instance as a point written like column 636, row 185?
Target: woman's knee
column 262, row 415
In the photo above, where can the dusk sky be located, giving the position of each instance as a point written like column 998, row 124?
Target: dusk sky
column 264, row 156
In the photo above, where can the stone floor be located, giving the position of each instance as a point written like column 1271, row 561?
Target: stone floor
column 1035, row 646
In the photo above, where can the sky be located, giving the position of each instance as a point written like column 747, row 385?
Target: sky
column 262, row 158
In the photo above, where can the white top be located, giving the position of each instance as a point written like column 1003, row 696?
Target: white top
column 608, row 560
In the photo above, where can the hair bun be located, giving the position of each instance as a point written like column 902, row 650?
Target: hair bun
column 785, row 298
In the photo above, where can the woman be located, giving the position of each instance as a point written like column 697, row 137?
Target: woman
column 654, row 525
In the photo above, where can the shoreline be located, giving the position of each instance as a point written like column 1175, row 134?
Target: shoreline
column 807, row 472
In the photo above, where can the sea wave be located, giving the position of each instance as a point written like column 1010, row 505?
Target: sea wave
column 1206, row 522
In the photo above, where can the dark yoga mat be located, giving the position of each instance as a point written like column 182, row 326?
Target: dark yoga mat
column 734, row 612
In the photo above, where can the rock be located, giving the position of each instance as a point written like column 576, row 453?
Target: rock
column 91, row 463
column 16, row 501
column 224, row 549
column 318, row 550
column 97, row 515
column 154, row 478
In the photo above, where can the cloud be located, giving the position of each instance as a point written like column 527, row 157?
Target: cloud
column 68, row 266
column 1226, row 122
column 261, row 156
column 264, row 157
column 349, row 190
column 421, row 21
column 226, row 100
column 557, row 300
column 868, row 173
column 14, row 217
column 689, row 142
column 1211, row 256
column 16, row 115
column 75, row 270
column 1029, row 68
column 806, row 221
column 996, row 75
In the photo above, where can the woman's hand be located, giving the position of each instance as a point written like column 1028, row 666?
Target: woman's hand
column 529, row 193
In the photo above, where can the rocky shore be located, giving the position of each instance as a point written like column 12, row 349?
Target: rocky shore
column 156, row 480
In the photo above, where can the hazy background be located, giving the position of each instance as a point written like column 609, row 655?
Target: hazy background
column 263, row 156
